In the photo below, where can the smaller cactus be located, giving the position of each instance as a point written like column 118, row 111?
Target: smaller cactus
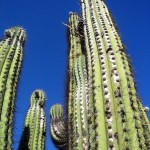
column 33, row 137
column 58, row 127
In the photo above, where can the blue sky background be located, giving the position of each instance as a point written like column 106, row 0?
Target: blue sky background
column 45, row 53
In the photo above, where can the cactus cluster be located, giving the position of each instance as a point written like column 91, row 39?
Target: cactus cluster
column 33, row 137
column 11, row 54
column 104, row 110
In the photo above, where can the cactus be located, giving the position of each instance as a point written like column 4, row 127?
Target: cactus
column 33, row 137
column 11, row 54
column 104, row 110
column 58, row 127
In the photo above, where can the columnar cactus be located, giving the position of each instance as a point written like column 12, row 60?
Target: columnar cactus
column 120, row 120
column 104, row 110
column 33, row 137
column 11, row 54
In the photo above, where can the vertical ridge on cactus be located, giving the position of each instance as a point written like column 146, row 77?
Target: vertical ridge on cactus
column 11, row 54
column 33, row 136
column 104, row 110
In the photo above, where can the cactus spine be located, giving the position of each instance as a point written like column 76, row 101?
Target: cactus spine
column 11, row 54
column 104, row 110
column 33, row 137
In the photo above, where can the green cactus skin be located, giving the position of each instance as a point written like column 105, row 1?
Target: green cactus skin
column 104, row 110
column 58, row 127
column 33, row 137
column 11, row 54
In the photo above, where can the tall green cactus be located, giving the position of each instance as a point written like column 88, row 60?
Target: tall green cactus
column 121, row 122
column 104, row 110
column 11, row 54
column 33, row 137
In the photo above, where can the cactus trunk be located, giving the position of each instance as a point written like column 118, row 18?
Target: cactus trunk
column 33, row 137
column 11, row 54
column 104, row 110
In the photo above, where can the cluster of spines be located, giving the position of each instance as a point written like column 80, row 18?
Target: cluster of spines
column 34, row 133
column 58, row 127
column 11, row 54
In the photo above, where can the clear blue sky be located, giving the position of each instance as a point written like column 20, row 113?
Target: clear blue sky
column 45, row 54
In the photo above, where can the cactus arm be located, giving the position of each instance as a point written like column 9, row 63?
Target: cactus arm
column 58, row 127
column 11, row 59
column 33, row 136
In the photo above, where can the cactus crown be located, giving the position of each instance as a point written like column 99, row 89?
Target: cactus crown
column 38, row 96
column 16, row 31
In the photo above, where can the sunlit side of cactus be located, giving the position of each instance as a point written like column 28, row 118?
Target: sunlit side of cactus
column 11, row 54
column 33, row 137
